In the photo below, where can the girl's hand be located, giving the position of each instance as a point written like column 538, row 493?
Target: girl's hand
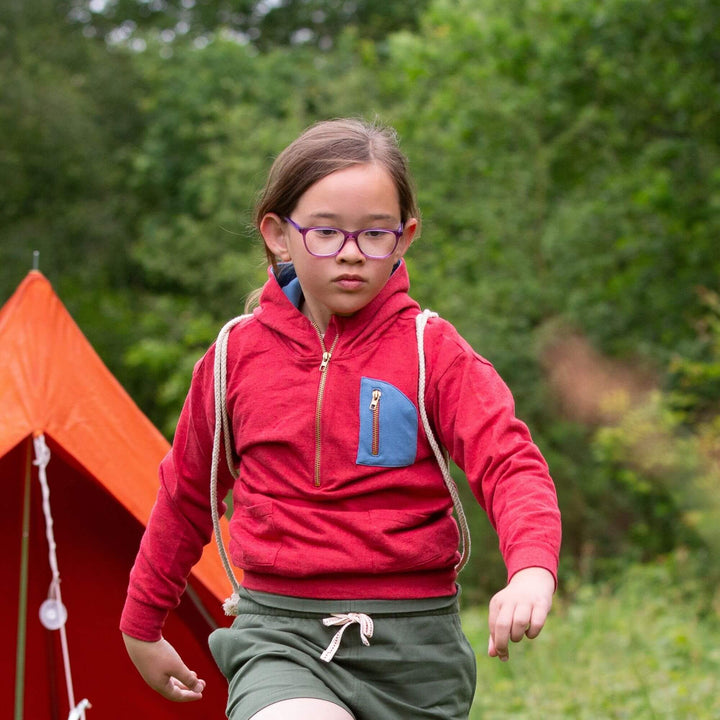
column 163, row 669
column 521, row 608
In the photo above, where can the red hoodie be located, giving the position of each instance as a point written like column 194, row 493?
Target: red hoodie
column 339, row 494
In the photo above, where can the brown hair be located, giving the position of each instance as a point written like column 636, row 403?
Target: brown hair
column 323, row 149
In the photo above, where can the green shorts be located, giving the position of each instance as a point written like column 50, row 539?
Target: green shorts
column 417, row 663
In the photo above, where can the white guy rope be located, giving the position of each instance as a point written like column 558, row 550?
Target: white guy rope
column 42, row 458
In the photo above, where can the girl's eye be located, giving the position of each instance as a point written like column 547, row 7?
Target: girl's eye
column 326, row 232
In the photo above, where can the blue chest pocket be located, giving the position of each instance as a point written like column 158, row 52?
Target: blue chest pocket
column 388, row 425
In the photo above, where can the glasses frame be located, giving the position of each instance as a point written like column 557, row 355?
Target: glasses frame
column 346, row 236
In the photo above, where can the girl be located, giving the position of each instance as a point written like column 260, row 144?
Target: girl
column 342, row 520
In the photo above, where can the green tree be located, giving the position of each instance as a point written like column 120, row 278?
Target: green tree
column 264, row 24
column 67, row 121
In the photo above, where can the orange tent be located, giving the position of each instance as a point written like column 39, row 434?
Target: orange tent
column 102, row 476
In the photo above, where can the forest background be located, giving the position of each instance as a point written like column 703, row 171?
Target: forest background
column 567, row 161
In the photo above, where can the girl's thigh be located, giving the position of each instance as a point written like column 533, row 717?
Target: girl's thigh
column 302, row 709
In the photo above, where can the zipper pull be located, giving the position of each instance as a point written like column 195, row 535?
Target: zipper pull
column 375, row 399
column 325, row 360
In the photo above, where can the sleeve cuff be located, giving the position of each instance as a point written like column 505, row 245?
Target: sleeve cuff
column 141, row 621
column 524, row 558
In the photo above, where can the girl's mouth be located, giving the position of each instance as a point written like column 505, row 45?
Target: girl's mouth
column 349, row 282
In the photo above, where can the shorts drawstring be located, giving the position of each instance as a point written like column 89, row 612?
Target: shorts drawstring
column 345, row 620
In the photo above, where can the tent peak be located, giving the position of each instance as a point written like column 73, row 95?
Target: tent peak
column 36, row 274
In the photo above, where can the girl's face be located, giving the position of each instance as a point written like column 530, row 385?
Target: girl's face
column 356, row 198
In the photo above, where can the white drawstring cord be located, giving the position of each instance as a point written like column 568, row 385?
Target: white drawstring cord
column 345, row 620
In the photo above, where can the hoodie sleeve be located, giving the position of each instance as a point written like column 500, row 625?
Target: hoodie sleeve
column 474, row 414
column 180, row 523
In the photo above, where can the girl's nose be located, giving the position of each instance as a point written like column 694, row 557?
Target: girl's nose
column 350, row 251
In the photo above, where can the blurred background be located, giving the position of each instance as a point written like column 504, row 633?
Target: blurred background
column 567, row 160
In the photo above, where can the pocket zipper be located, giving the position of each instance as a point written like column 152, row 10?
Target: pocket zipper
column 375, row 409
column 326, row 356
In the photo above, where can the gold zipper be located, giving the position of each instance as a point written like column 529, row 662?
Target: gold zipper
column 375, row 409
column 326, row 355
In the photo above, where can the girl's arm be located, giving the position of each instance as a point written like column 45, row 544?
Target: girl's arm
column 474, row 415
column 475, row 418
column 180, row 524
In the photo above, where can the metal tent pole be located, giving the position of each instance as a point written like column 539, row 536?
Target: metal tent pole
column 23, row 590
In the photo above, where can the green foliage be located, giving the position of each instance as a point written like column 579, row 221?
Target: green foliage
column 264, row 24
column 64, row 130
column 668, row 446
column 67, row 120
column 644, row 648
column 694, row 382
column 571, row 156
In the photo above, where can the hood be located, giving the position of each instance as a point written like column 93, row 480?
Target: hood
column 282, row 294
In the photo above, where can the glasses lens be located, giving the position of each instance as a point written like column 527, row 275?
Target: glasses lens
column 323, row 241
column 377, row 243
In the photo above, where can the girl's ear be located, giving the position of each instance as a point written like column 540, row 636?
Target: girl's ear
column 274, row 233
column 409, row 230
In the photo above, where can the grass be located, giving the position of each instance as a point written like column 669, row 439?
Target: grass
column 645, row 648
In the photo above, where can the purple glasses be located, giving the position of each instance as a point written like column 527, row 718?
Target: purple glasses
column 374, row 243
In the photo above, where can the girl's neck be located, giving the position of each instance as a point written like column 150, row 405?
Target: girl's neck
column 305, row 310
